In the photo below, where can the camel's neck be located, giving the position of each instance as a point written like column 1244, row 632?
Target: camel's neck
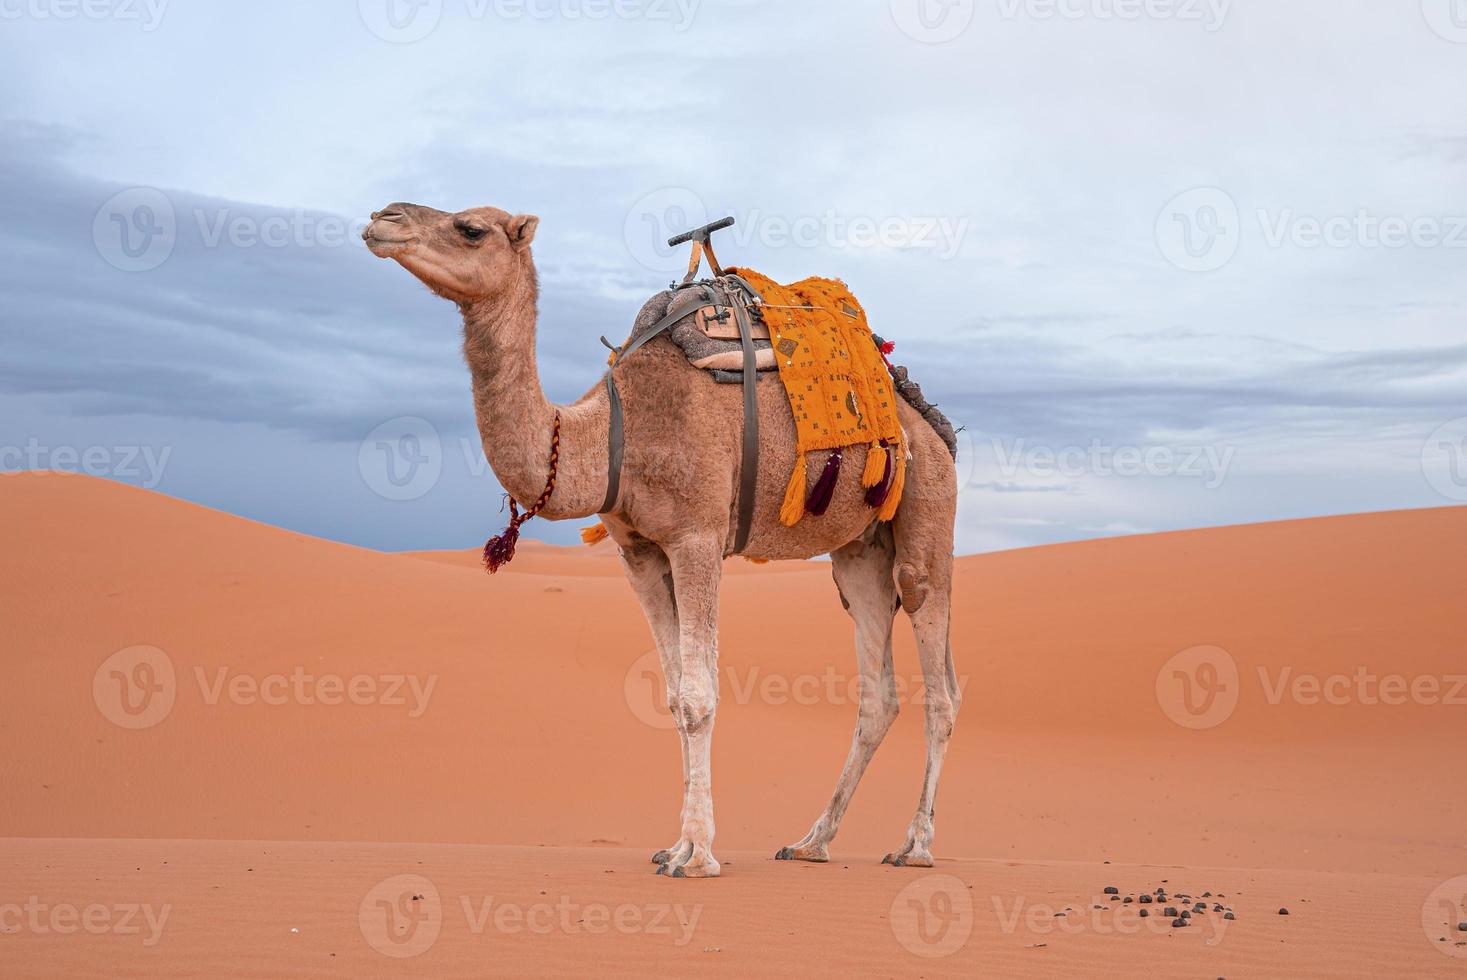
column 516, row 419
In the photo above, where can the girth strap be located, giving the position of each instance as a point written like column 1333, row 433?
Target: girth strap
column 749, row 464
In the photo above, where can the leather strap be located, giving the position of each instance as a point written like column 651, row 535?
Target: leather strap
column 749, row 463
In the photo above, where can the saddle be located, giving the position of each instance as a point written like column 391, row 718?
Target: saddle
column 841, row 388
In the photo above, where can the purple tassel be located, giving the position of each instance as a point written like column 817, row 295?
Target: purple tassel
column 876, row 496
column 499, row 551
column 819, row 500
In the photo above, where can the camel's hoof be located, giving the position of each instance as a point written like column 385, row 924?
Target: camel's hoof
column 708, row 869
column 909, row 860
column 811, row 854
column 662, row 857
column 661, row 869
column 895, row 860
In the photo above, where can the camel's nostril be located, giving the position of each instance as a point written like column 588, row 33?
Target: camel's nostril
column 389, row 214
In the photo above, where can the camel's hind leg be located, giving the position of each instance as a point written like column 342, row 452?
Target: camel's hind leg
column 924, row 564
column 650, row 574
column 863, row 574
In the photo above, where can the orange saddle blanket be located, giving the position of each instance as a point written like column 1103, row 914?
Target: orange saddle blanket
column 839, row 389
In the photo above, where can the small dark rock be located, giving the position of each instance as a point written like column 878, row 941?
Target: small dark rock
column 1170, row 912
column 1462, row 926
column 1145, row 899
column 1127, row 900
column 1283, row 911
column 1112, row 890
column 1179, row 924
column 1229, row 916
column 1145, row 914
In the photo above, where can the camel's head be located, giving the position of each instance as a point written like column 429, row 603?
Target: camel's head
column 466, row 257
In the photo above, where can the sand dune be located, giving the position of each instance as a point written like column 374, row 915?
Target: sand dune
column 315, row 693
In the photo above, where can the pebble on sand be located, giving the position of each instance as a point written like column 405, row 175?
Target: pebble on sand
column 1112, row 890
column 1283, row 911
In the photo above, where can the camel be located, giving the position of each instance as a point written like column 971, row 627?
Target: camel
column 674, row 517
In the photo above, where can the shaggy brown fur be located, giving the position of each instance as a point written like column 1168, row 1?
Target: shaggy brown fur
column 675, row 519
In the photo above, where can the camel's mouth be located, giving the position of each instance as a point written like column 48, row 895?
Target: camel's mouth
column 386, row 248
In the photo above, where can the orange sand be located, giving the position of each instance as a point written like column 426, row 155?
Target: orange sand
column 531, row 755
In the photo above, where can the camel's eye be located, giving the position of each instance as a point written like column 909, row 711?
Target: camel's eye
column 473, row 234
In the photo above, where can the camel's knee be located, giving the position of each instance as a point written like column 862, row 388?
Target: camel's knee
column 911, row 587
column 696, row 701
column 877, row 716
column 942, row 714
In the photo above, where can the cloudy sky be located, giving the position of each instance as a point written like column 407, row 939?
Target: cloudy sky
column 1172, row 263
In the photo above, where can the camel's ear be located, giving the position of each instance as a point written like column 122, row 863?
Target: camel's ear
column 521, row 230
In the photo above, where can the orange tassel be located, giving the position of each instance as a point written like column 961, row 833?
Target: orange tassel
column 794, row 496
column 595, row 534
column 898, row 483
column 875, row 465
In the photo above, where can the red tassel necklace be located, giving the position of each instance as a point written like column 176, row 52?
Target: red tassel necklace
column 499, row 551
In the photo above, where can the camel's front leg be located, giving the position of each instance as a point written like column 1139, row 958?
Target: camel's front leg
column 650, row 574
column 697, row 567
